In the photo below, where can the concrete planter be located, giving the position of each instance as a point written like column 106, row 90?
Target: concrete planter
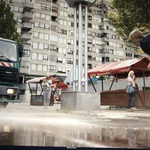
column 80, row 101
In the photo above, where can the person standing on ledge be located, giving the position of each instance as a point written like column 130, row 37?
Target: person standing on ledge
column 144, row 40
column 46, row 85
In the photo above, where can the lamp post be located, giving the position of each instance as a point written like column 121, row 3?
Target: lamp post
column 79, row 6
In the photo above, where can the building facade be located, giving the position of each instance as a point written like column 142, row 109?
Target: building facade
column 46, row 29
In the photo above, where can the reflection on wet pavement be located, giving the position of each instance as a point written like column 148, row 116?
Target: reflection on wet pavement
column 73, row 131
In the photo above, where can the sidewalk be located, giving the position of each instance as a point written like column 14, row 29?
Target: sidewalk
column 104, row 111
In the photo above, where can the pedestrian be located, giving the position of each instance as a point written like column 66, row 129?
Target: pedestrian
column 46, row 85
column 131, row 82
column 144, row 40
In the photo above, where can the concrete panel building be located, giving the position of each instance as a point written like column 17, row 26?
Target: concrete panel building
column 46, row 29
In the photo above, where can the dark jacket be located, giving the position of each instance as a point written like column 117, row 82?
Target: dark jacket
column 145, row 44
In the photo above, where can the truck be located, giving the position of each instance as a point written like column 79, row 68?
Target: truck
column 10, row 56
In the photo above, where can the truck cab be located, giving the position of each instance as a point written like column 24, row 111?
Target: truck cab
column 9, row 71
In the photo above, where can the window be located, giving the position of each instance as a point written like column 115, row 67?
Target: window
column 43, row 16
column 64, row 50
column 34, row 56
column 35, row 34
column 46, row 46
column 16, row 8
column 59, row 59
column 45, row 57
column 37, row 14
column 33, row 66
column 53, row 58
column 64, row 41
column 39, row 67
column 60, row 50
column 120, row 53
column 42, row 25
column 62, row 69
column 40, row 57
column 47, row 26
column 27, row 53
column 70, row 51
column 69, row 23
column 69, row 61
column 54, row 9
column 47, row 17
column 36, row 24
column 128, row 55
column 46, row 37
column 41, row 46
column 54, row 38
column 61, row 22
column 41, row 36
column 53, row 27
column 44, row 68
column 20, row 9
column 52, row 69
column 53, row 47
column 35, row 45
column 25, row 64
column 60, row 40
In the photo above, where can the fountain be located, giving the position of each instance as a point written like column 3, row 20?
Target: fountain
column 80, row 98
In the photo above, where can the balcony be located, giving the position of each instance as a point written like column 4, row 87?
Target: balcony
column 73, row 3
column 26, row 36
column 27, row 26
column 24, row 70
column 28, row 6
column 27, row 16
column 27, row 46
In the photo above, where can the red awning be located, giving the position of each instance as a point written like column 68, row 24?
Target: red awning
column 39, row 79
column 123, row 67
column 55, row 82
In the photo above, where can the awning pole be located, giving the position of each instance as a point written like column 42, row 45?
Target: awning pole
column 144, row 85
column 30, row 88
column 92, row 84
column 102, row 84
column 112, row 83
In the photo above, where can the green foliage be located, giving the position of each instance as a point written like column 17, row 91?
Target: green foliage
column 8, row 25
column 101, row 78
column 128, row 15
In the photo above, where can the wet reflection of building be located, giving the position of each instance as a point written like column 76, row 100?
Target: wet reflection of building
column 6, row 136
column 75, row 137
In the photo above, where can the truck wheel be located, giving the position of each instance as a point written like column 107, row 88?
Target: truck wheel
column 3, row 105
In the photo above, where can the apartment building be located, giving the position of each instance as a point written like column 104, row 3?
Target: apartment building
column 46, row 29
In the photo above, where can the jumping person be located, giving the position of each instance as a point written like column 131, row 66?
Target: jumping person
column 144, row 40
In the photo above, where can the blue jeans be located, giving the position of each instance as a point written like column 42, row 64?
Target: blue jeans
column 46, row 96
column 130, row 96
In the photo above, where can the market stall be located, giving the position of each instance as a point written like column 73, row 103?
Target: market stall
column 36, row 90
column 120, row 70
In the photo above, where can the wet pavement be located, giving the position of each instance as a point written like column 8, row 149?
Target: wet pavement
column 25, row 125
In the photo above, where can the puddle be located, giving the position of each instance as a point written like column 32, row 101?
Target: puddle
column 72, row 135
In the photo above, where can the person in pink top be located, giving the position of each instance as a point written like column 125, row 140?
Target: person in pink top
column 131, row 81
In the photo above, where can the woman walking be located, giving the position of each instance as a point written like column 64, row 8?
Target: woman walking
column 131, row 82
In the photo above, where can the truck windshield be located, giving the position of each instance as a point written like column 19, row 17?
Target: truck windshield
column 8, row 50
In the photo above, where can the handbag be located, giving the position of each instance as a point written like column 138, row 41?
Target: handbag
column 130, row 89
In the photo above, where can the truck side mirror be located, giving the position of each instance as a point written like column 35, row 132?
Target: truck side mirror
column 21, row 53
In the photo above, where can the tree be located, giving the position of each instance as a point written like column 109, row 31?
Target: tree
column 8, row 25
column 128, row 15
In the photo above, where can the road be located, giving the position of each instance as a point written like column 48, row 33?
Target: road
column 25, row 125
